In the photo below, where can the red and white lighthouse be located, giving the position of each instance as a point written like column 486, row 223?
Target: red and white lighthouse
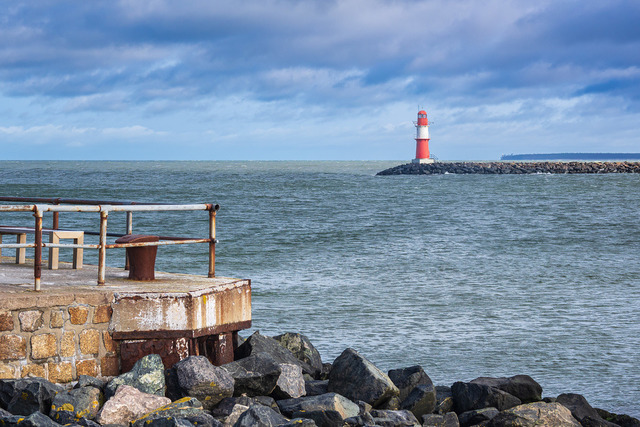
column 422, row 139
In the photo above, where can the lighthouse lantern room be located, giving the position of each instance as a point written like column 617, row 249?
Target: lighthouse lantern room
column 422, row 139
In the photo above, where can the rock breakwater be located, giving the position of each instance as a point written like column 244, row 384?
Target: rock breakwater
column 498, row 168
column 282, row 381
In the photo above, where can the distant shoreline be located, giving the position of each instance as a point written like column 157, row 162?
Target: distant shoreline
column 510, row 168
column 573, row 156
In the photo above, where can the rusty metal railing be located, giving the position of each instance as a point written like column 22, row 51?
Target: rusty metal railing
column 104, row 208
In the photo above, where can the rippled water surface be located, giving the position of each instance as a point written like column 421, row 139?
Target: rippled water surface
column 466, row 275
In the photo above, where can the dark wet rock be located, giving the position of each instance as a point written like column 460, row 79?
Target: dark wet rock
column 421, row 400
column 327, row 409
column 128, row 404
column 386, row 418
column 444, row 400
column 28, row 395
column 290, row 382
column 235, row 414
column 147, row 375
column 259, row 416
column 204, row 381
column 69, row 406
column 391, row 404
column 621, row 419
column 89, row 381
column 300, row 422
column 36, row 419
column 224, row 408
column 173, row 389
column 356, row 378
column 449, row 419
column 521, row 386
column 477, row 416
column 316, row 387
column 172, row 422
column 535, row 414
column 302, row 349
column 258, row 343
column 83, row 422
column 326, row 369
column 406, row 379
column 596, row 422
column 255, row 375
column 183, row 408
column 364, row 419
column 469, row 396
column 578, row 406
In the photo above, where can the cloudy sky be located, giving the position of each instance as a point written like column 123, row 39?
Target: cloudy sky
column 285, row 79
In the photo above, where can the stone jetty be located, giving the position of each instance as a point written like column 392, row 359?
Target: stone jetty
column 281, row 381
column 498, row 168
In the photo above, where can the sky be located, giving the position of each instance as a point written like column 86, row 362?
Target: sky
column 316, row 80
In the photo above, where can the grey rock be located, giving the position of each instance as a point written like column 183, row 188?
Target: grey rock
column 203, row 420
column 37, row 419
column 477, row 416
column 391, row 404
column 255, row 375
column 364, row 419
column 183, row 408
column 406, row 379
column 469, row 396
column 444, row 400
column 578, row 406
column 147, row 376
column 326, row 409
column 290, row 382
column 169, row 422
column 326, row 369
column 28, row 395
column 173, row 389
column 260, row 416
column 316, row 387
column 449, row 419
column 385, row 418
column 87, row 380
column 535, row 414
column 421, row 400
column 128, row 404
column 622, row 420
column 300, row 422
column 521, row 386
column 356, row 378
column 596, row 422
column 204, row 381
column 302, row 349
column 69, row 406
column 83, row 422
column 258, row 343
column 235, row 414
column 225, row 407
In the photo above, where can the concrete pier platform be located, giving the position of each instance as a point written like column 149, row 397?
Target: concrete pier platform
column 73, row 326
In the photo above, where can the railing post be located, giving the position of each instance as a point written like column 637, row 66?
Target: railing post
column 102, row 250
column 129, row 231
column 37, row 262
column 212, row 242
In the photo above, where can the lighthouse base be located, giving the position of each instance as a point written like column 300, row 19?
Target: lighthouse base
column 423, row 161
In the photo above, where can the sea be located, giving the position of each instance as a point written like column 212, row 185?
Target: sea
column 464, row 275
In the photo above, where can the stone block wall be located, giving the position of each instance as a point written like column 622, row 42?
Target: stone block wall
column 57, row 337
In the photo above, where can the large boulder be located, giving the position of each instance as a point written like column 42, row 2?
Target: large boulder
column 185, row 408
column 469, row 396
column 204, row 381
column 449, row 419
column 28, row 395
column 477, row 416
column 260, row 416
column 386, row 418
column 290, row 383
column 255, row 375
column 521, row 386
column 147, row 375
column 326, row 410
column 535, row 414
column 258, row 343
column 356, row 378
column 128, row 404
column 421, row 400
column 578, row 406
column 622, row 420
column 302, row 349
column 69, row 406
column 406, row 379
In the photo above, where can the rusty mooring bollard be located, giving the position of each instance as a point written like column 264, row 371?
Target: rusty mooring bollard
column 142, row 259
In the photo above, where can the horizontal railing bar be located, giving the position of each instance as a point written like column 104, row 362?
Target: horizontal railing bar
column 17, row 208
column 165, row 243
column 57, row 200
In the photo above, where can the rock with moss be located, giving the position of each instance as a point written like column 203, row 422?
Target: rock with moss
column 302, row 348
column 204, row 381
column 147, row 376
column 187, row 407
column 69, row 406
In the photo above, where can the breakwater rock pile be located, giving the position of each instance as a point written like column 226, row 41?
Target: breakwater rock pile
column 494, row 168
column 281, row 381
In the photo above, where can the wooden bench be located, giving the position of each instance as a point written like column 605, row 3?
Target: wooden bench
column 54, row 237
